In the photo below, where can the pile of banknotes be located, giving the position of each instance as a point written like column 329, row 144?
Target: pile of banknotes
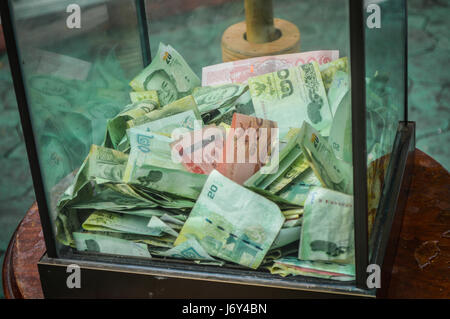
column 251, row 166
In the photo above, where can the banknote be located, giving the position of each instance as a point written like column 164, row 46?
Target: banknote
column 293, row 222
column 332, row 172
column 286, row 236
column 150, row 165
column 240, row 71
column 341, row 130
column 297, row 191
column 239, row 230
column 339, row 88
column 116, row 127
column 291, row 96
column 292, row 266
column 327, row 229
column 144, row 95
column 200, row 151
column 150, row 147
column 106, row 197
column 182, row 122
column 248, row 146
column 293, row 213
column 109, row 245
column 288, row 152
column 297, row 167
column 242, row 105
column 328, row 70
column 162, row 243
column 125, row 223
column 210, row 98
column 190, row 250
column 182, row 105
column 101, row 165
column 168, row 74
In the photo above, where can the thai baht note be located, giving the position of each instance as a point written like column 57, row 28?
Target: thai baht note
column 240, row 230
column 332, row 172
column 291, row 96
column 174, row 124
column 109, row 245
column 249, row 144
column 240, row 71
column 116, row 127
column 209, row 98
column 144, row 95
column 168, row 74
column 182, row 105
column 292, row 266
column 327, row 229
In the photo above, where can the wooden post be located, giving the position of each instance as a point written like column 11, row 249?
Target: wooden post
column 260, row 35
column 259, row 20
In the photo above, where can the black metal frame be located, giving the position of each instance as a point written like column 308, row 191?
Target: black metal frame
column 357, row 46
column 358, row 82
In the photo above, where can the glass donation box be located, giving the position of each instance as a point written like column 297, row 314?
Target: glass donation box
column 230, row 148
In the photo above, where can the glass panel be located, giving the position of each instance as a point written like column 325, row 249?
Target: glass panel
column 222, row 164
column 76, row 76
column 385, row 71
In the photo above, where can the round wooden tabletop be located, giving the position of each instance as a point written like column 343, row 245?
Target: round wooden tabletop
column 421, row 268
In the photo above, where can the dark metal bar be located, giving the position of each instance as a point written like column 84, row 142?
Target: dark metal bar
column 143, row 32
column 389, row 217
column 358, row 89
column 27, row 128
column 405, row 36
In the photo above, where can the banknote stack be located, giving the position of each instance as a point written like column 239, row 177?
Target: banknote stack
column 251, row 166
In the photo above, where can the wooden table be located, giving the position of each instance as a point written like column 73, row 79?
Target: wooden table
column 422, row 263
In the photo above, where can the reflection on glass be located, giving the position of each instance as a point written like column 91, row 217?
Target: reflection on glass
column 385, row 67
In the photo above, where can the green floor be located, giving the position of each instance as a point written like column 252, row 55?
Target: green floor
column 429, row 97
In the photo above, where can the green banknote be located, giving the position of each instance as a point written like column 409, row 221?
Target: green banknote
column 125, row 223
column 173, row 125
column 190, row 249
column 292, row 96
column 338, row 90
column 327, row 229
column 144, row 95
column 239, row 230
column 151, row 148
column 150, row 165
column 292, row 266
column 341, row 130
column 286, row 236
column 331, row 171
column 182, row 105
column 116, row 128
column 108, row 197
column 299, row 166
column 210, row 98
column 101, row 165
column 109, row 245
column 168, row 74
column 297, row 191
column 161, row 243
column 288, row 150
column 329, row 70
column 242, row 105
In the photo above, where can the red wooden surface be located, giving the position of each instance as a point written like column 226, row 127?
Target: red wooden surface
column 422, row 264
column 20, row 272
column 421, row 268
